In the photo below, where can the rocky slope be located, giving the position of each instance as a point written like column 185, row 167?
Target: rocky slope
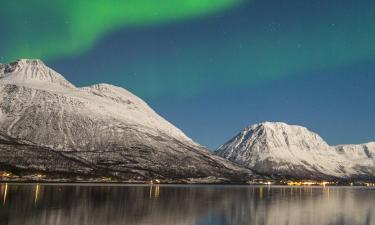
column 49, row 126
column 281, row 150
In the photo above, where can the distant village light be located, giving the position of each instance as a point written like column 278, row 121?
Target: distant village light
column 5, row 174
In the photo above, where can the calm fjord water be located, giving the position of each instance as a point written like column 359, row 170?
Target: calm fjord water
column 184, row 205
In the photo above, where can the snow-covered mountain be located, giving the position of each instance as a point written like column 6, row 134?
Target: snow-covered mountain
column 49, row 125
column 282, row 150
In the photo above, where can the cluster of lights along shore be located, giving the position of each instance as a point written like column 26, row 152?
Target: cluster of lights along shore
column 6, row 176
column 312, row 183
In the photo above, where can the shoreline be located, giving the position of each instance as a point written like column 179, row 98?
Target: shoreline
column 97, row 183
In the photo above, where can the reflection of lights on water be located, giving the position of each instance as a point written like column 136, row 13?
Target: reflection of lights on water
column 150, row 191
column 261, row 192
column 154, row 192
column 5, row 193
column 37, row 190
column 157, row 191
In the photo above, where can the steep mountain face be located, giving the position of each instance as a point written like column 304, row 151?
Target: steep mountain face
column 281, row 150
column 359, row 158
column 48, row 125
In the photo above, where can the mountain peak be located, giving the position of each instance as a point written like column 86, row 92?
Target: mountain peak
column 19, row 64
column 273, row 129
column 31, row 72
column 30, row 61
column 274, row 125
column 277, row 148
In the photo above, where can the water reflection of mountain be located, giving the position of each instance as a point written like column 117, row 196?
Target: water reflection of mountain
column 185, row 205
column 296, row 206
column 72, row 205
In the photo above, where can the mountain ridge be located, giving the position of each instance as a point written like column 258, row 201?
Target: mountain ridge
column 50, row 126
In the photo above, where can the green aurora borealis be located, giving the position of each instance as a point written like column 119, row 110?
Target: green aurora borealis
column 53, row 29
column 287, row 47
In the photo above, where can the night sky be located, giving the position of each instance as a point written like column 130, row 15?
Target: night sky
column 212, row 67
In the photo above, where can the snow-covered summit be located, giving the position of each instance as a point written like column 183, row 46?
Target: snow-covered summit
column 291, row 134
column 277, row 148
column 32, row 72
column 275, row 135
